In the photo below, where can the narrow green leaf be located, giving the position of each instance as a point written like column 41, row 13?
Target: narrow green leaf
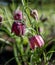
column 3, row 29
column 23, row 2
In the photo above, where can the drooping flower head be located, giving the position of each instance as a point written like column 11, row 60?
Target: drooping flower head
column 34, row 14
column 18, row 15
column 0, row 20
column 36, row 41
column 18, row 28
column 40, row 30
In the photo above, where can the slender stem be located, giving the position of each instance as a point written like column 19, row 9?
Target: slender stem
column 24, row 7
column 7, row 16
column 9, row 61
column 16, row 54
column 22, row 50
column 50, row 52
column 5, row 42
column 6, row 63
column 28, row 16
column 31, row 62
column 45, row 59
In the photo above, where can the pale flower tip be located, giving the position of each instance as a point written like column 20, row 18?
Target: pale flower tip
column 34, row 14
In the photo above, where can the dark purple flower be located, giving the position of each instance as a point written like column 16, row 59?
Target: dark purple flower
column 0, row 19
column 31, row 40
column 18, row 28
column 18, row 15
column 36, row 41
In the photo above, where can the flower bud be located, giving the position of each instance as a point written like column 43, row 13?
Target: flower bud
column 0, row 20
column 36, row 41
column 18, row 15
column 18, row 28
column 34, row 14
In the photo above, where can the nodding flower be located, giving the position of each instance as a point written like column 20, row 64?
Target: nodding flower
column 34, row 14
column 18, row 28
column 18, row 15
column 36, row 41
column 0, row 19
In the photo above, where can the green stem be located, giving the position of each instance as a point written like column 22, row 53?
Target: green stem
column 22, row 50
column 50, row 52
column 44, row 58
column 28, row 17
column 9, row 61
column 24, row 7
column 16, row 54
column 4, row 41
column 31, row 62
column 7, row 16
column 6, row 63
